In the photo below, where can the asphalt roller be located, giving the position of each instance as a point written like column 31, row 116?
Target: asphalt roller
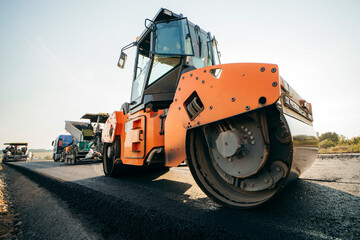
column 240, row 127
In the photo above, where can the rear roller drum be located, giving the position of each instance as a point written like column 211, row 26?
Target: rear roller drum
column 232, row 163
column 110, row 153
column 112, row 164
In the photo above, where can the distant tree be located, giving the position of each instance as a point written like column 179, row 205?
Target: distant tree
column 344, row 140
column 331, row 136
column 331, row 142
column 327, row 143
column 355, row 140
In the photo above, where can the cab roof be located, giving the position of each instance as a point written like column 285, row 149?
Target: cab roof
column 93, row 117
column 17, row 144
column 162, row 15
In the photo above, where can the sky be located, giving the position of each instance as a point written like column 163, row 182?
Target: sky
column 58, row 58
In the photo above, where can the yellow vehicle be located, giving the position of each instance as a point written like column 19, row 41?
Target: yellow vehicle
column 240, row 127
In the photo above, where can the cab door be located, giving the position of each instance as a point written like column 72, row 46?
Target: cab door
column 134, row 144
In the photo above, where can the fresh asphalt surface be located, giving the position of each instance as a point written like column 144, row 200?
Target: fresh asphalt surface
column 325, row 204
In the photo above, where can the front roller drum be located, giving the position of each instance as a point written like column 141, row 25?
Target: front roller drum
column 239, row 162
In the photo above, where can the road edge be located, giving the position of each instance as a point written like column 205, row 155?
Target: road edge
column 134, row 222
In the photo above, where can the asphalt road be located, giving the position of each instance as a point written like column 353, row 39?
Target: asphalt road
column 323, row 204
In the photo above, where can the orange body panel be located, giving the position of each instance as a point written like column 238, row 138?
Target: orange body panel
column 139, row 133
column 134, row 144
column 236, row 91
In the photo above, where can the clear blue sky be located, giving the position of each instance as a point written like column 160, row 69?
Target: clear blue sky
column 58, row 58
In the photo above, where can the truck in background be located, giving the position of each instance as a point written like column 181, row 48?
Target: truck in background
column 59, row 144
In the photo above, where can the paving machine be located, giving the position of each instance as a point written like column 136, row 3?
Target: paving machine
column 86, row 144
column 16, row 151
column 241, row 128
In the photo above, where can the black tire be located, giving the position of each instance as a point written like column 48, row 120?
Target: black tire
column 119, row 169
column 110, row 153
column 214, row 186
column 54, row 157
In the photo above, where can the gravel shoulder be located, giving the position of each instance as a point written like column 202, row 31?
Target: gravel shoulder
column 43, row 214
column 9, row 222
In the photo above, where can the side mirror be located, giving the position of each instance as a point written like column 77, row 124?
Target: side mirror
column 122, row 60
column 52, row 143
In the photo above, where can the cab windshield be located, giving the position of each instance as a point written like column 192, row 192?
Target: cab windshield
column 173, row 38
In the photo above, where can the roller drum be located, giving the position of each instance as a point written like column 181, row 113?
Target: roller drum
column 245, row 160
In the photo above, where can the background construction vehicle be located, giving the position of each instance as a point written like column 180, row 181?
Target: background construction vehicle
column 86, row 144
column 59, row 144
column 16, row 151
column 243, row 131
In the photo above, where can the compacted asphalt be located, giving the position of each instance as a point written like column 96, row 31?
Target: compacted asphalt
column 60, row 201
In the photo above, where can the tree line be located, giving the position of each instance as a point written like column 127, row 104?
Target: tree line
column 331, row 142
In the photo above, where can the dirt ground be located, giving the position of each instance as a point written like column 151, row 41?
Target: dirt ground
column 9, row 223
column 340, row 172
column 43, row 155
